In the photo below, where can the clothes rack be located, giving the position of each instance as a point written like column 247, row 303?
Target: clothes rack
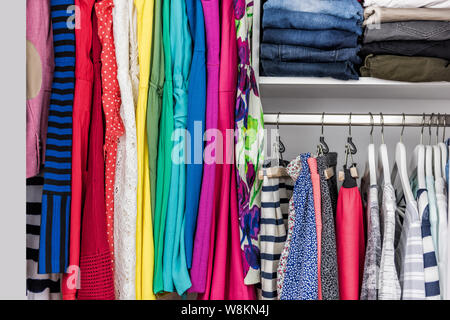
column 358, row 119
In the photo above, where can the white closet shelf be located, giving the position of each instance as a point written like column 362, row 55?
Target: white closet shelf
column 365, row 87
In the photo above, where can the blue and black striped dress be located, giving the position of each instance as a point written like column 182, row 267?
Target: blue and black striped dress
column 54, row 240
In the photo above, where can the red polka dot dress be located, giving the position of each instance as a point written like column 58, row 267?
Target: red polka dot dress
column 111, row 106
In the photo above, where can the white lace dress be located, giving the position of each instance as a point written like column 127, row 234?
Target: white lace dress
column 124, row 18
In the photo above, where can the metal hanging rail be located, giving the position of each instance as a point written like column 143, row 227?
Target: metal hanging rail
column 358, row 119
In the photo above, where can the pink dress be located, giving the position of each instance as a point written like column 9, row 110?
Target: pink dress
column 350, row 239
column 315, row 178
column 225, row 276
column 205, row 219
column 40, row 65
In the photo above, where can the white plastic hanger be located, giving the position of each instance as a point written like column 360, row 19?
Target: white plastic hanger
column 444, row 151
column 417, row 164
column 437, row 153
column 371, row 169
column 401, row 168
column 383, row 158
column 429, row 153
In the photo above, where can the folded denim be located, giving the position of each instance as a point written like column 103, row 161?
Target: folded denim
column 409, row 30
column 411, row 69
column 288, row 53
column 377, row 15
column 338, row 70
column 346, row 9
column 321, row 39
column 285, row 19
column 445, row 4
column 436, row 49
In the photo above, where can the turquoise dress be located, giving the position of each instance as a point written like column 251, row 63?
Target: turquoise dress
column 175, row 271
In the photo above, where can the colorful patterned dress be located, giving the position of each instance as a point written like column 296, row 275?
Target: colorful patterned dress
column 249, row 138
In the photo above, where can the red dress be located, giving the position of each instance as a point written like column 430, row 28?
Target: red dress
column 97, row 282
column 350, row 239
column 111, row 106
column 84, row 75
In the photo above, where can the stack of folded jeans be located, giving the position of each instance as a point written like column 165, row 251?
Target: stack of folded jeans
column 311, row 38
column 407, row 40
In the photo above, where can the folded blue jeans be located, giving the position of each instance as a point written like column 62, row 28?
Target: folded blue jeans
column 337, row 70
column 321, row 39
column 346, row 9
column 288, row 53
column 285, row 19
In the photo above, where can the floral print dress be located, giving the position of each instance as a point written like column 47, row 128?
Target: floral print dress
column 249, row 138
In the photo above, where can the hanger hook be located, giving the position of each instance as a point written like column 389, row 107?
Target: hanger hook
column 350, row 125
column 438, row 123
column 323, row 120
column 382, row 127
column 403, row 127
column 371, row 128
column 423, row 127
column 430, row 123
column 278, row 121
column 445, row 125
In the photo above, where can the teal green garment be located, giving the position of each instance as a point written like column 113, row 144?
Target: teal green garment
column 432, row 203
column 164, row 162
column 174, row 261
column 155, row 92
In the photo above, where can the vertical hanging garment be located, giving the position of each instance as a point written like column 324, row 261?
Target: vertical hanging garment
column 111, row 106
column 175, row 272
column 388, row 280
column 144, row 228
column 315, row 179
column 134, row 52
column 272, row 235
column 82, row 104
column 206, row 204
column 350, row 239
column 432, row 204
column 328, row 268
column 54, row 240
column 164, row 164
column 96, row 267
column 447, row 263
column 39, row 286
column 155, row 91
column 40, row 65
column 331, row 162
column 225, row 277
column 301, row 277
column 409, row 255
column 441, row 197
column 195, row 122
column 249, row 125
column 286, row 187
column 430, row 266
column 126, row 167
column 293, row 169
column 369, row 286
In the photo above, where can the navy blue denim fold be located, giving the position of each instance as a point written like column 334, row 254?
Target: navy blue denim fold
column 322, row 39
column 288, row 53
column 285, row 19
column 346, row 9
column 338, row 70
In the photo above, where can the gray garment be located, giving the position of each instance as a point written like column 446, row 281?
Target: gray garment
column 328, row 267
column 377, row 15
column 373, row 248
column 409, row 254
column 409, row 30
column 388, row 282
